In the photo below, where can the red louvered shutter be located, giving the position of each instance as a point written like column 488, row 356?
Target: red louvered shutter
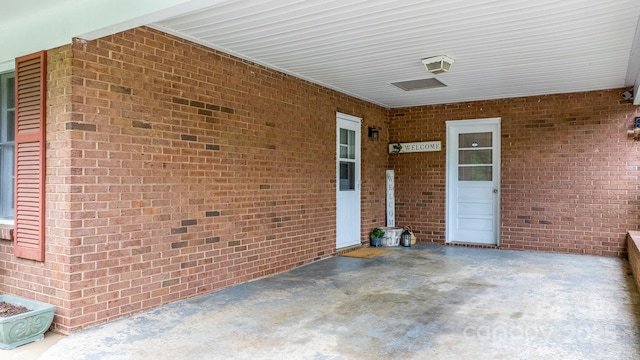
column 31, row 71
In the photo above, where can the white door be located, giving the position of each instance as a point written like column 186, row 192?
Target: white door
column 348, row 180
column 473, row 181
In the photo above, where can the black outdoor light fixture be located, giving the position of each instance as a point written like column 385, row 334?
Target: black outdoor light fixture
column 374, row 134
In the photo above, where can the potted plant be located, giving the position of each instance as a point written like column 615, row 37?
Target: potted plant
column 26, row 322
column 376, row 236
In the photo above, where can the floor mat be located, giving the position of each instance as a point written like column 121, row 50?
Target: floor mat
column 365, row 253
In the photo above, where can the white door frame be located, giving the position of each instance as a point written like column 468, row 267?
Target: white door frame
column 453, row 128
column 348, row 204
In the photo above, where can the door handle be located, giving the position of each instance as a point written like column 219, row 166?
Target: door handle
column 495, row 191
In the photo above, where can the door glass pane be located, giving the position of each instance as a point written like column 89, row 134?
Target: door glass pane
column 347, row 175
column 352, row 144
column 347, row 144
column 343, row 151
column 475, row 157
column 474, row 140
column 475, row 173
column 344, row 138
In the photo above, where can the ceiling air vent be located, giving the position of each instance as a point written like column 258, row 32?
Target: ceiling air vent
column 419, row 84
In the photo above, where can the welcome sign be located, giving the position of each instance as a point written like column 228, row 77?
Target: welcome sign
column 416, row 147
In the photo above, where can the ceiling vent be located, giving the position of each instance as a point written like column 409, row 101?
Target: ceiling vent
column 419, row 84
column 438, row 64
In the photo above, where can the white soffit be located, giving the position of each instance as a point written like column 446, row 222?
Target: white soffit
column 27, row 26
column 501, row 48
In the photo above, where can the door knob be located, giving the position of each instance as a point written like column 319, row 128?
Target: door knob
column 495, row 191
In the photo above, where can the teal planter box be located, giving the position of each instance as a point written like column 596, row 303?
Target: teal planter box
column 24, row 328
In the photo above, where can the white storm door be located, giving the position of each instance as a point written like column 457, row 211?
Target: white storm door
column 473, row 181
column 347, row 181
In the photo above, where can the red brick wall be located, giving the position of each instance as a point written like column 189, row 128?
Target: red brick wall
column 175, row 170
column 49, row 281
column 570, row 175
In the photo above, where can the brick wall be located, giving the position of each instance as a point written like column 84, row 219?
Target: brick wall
column 175, row 170
column 49, row 281
column 570, row 175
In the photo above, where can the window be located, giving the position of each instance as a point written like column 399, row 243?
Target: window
column 7, row 125
column 475, row 157
column 347, row 159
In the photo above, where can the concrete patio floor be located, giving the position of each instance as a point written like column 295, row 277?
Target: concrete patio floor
column 423, row 302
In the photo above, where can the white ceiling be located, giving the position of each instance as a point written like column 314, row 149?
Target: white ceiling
column 501, row 48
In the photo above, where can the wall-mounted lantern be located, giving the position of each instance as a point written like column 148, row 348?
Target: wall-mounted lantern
column 374, row 134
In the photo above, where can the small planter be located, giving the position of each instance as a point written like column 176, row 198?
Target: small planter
column 391, row 236
column 375, row 237
column 24, row 328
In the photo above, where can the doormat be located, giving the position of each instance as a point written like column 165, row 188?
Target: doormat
column 365, row 253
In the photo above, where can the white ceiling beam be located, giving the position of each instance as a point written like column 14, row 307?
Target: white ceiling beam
column 50, row 26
